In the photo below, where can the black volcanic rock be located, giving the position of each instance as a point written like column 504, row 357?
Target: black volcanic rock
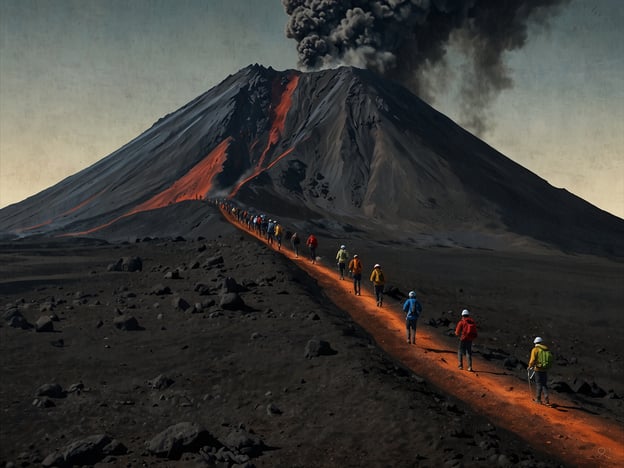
column 342, row 143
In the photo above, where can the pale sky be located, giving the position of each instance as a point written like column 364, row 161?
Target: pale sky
column 80, row 78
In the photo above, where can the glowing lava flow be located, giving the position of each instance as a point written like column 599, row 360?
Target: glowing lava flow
column 194, row 185
column 279, row 121
column 565, row 431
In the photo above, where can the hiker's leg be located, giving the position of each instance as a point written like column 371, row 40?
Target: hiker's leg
column 460, row 354
column 469, row 353
column 539, row 385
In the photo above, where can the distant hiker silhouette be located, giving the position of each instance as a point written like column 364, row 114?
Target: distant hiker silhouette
column 312, row 244
column 294, row 242
column 466, row 330
column 355, row 267
column 378, row 279
column 412, row 308
column 278, row 235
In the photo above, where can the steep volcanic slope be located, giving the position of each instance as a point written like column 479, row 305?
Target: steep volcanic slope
column 341, row 142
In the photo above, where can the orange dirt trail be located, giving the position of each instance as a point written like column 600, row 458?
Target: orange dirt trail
column 564, row 432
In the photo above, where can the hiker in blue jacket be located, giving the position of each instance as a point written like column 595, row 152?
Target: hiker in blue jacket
column 412, row 308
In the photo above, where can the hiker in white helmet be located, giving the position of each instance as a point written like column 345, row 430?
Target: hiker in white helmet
column 540, row 361
column 466, row 330
column 378, row 280
column 412, row 308
column 341, row 257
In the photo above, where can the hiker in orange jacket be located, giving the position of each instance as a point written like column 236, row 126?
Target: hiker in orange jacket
column 355, row 267
column 466, row 330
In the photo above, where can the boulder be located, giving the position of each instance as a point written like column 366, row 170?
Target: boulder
column 242, row 441
column 44, row 324
column 160, row 382
column 87, row 451
column 160, row 290
column 15, row 319
column 232, row 301
column 179, row 303
column 317, row 347
column 130, row 264
column 202, row 289
column 174, row 274
column 179, row 438
column 126, row 322
column 231, row 286
column 52, row 390
column 213, row 261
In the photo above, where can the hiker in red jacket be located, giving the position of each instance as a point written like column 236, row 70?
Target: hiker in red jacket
column 466, row 330
column 312, row 244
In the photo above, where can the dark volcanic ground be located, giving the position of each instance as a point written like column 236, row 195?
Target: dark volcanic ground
column 255, row 382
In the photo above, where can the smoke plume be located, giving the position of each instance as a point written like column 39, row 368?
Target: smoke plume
column 408, row 40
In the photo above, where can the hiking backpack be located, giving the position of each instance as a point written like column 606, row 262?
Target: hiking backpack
column 544, row 358
column 470, row 330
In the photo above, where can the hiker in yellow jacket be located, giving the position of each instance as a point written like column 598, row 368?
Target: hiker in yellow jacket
column 541, row 372
column 378, row 280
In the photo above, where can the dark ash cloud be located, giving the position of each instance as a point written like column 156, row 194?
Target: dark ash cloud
column 408, row 40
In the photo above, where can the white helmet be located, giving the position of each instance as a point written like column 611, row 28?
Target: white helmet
column 355, row 256
column 538, row 339
column 343, row 246
column 377, row 265
column 412, row 294
column 465, row 312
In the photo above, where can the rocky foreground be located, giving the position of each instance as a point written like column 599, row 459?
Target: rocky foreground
column 209, row 352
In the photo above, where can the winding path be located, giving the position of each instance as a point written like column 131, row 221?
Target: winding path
column 564, row 432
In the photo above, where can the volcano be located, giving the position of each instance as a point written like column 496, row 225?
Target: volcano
column 342, row 144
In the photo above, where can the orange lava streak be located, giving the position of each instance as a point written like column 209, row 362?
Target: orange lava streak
column 257, row 172
column 277, row 127
column 194, row 185
column 577, row 438
column 280, row 113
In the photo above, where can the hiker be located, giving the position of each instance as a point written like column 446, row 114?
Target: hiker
column 378, row 280
column 466, row 330
column 270, row 231
column 278, row 235
column 341, row 257
column 355, row 267
column 294, row 242
column 412, row 308
column 312, row 244
column 540, row 361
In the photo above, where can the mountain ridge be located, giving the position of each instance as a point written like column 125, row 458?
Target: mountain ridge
column 342, row 142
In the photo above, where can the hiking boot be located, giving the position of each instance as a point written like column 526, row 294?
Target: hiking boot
column 470, row 369
column 539, row 402
column 460, row 367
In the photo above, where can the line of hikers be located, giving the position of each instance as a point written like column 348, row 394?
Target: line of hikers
column 466, row 329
